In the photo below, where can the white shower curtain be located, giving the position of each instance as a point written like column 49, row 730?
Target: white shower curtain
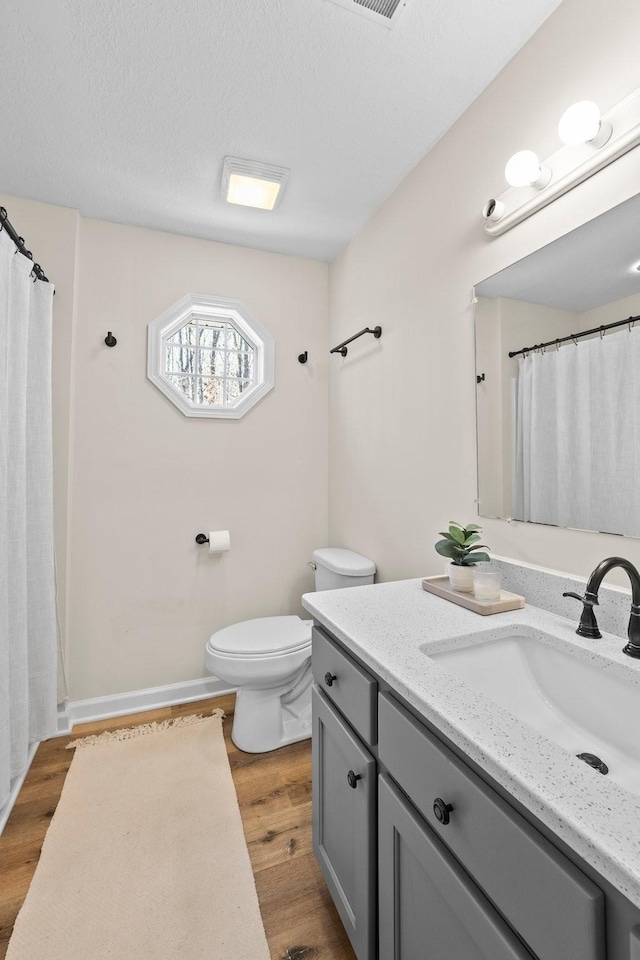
column 578, row 435
column 28, row 628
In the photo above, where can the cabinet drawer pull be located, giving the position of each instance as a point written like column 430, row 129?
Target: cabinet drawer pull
column 352, row 779
column 329, row 678
column 441, row 811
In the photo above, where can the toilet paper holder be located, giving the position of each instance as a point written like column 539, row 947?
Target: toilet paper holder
column 202, row 538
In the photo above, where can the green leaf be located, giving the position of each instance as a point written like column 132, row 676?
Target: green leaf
column 448, row 549
column 454, row 523
column 456, row 534
column 447, row 536
column 472, row 526
column 473, row 538
column 477, row 558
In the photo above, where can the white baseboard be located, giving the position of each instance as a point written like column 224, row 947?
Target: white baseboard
column 15, row 789
column 137, row 701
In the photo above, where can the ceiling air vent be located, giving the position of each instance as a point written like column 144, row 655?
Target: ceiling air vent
column 385, row 12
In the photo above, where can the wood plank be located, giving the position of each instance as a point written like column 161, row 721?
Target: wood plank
column 274, row 795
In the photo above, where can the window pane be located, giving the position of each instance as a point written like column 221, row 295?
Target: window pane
column 212, row 334
column 183, row 384
column 210, row 391
column 240, row 365
column 186, row 334
column 211, row 363
column 235, row 341
column 235, row 389
column 180, row 359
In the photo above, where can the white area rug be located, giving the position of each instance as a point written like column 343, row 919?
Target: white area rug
column 145, row 858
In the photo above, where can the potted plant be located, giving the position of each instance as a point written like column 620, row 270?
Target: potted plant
column 461, row 546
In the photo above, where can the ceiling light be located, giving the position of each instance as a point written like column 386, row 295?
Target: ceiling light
column 581, row 123
column 253, row 184
column 523, row 170
column 252, row 192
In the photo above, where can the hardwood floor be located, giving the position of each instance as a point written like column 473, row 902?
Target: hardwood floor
column 274, row 794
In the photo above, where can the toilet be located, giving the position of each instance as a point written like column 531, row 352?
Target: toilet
column 269, row 661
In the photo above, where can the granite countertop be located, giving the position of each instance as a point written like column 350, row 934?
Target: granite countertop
column 391, row 626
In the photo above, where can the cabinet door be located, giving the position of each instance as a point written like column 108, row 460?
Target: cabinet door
column 344, row 808
column 429, row 907
column 554, row 907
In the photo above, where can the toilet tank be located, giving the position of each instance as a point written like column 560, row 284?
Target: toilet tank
column 337, row 568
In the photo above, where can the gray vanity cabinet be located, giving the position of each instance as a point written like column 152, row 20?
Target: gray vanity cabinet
column 424, row 858
column 429, row 906
column 554, row 907
column 344, row 822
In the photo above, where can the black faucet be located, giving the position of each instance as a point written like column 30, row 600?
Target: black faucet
column 588, row 626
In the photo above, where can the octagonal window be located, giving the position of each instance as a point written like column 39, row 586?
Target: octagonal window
column 210, row 357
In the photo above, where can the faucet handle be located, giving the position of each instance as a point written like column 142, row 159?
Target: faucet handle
column 588, row 626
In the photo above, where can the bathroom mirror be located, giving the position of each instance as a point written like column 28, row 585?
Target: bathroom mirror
column 558, row 424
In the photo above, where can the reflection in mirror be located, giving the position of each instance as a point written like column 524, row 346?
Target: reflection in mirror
column 558, row 420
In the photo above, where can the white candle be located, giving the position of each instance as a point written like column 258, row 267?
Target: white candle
column 486, row 585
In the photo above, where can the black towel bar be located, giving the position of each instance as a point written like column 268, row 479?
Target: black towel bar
column 342, row 347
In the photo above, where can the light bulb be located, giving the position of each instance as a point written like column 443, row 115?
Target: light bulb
column 580, row 123
column 523, row 170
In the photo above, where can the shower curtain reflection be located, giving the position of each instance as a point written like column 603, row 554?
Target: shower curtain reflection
column 577, row 456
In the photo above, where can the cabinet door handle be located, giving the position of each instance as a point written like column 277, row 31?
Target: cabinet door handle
column 329, row 678
column 352, row 779
column 441, row 811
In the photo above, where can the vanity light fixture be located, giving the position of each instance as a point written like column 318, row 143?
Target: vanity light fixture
column 493, row 210
column 581, row 123
column 523, row 169
column 250, row 183
column 591, row 142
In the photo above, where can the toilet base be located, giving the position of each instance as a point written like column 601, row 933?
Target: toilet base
column 265, row 720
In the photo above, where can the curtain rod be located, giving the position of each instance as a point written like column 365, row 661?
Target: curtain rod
column 576, row 336
column 5, row 224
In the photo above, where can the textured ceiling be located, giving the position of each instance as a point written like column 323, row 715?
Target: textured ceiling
column 125, row 109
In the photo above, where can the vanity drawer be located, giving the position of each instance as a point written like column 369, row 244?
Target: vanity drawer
column 558, row 912
column 351, row 688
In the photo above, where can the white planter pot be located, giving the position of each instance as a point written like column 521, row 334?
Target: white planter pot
column 461, row 578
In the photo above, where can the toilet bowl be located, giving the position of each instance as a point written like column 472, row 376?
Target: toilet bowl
column 269, row 661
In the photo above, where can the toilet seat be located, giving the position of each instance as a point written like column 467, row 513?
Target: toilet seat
column 262, row 637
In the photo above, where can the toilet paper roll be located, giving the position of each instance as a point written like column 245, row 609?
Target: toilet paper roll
column 219, row 542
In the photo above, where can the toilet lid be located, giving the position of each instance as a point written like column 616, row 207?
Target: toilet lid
column 262, row 636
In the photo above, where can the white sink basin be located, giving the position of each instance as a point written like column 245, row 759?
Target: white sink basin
column 580, row 705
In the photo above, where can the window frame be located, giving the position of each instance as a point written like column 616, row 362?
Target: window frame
column 226, row 309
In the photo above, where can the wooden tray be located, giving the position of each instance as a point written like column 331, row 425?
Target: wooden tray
column 442, row 588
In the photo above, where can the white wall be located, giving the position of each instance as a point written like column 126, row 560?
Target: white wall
column 146, row 479
column 136, row 480
column 402, row 411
